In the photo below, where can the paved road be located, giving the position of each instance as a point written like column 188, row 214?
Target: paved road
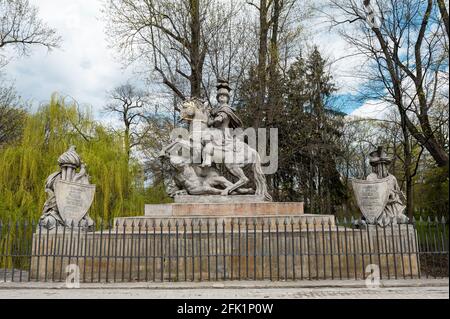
column 413, row 289
column 276, row 293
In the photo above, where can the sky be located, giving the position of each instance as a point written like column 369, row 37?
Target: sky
column 85, row 68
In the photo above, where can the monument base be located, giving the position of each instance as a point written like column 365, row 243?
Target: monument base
column 217, row 209
column 227, row 241
column 198, row 252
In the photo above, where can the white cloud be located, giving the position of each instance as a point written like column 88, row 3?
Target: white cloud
column 83, row 68
column 343, row 57
column 372, row 109
column 343, row 64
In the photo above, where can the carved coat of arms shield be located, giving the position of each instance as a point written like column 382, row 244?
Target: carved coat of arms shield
column 371, row 196
column 73, row 200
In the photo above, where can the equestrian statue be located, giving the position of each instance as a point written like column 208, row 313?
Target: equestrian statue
column 212, row 142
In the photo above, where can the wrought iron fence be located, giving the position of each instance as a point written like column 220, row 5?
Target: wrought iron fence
column 278, row 248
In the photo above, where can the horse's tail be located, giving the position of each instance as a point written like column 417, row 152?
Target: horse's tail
column 260, row 179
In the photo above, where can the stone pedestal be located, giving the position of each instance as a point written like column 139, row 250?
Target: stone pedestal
column 248, row 208
column 227, row 241
column 223, row 210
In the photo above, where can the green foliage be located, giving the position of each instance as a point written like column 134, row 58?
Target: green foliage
column 11, row 115
column 431, row 192
column 157, row 195
column 48, row 133
column 309, row 133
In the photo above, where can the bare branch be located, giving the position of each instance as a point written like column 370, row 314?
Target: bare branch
column 21, row 28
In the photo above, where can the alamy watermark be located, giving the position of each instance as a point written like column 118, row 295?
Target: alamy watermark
column 73, row 276
column 228, row 146
column 373, row 276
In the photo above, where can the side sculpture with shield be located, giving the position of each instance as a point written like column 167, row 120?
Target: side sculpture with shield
column 69, row 194
column 379, row 197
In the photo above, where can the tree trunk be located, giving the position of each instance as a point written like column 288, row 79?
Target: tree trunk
column 407, row 170
column 311, row 187
column 437, row 152
column 262, row 62
column 426, row 138
column 444, row 14
column 273, row 100
column 195, row 50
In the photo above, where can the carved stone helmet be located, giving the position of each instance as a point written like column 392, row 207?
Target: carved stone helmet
column 379, row 157
column 70, row 158
column 223, row 88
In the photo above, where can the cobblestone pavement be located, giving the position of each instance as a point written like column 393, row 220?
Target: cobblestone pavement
column 413, row 289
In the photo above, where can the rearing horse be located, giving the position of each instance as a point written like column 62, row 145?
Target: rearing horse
column 196, row 113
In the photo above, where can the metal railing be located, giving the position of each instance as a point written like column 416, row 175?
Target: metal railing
column 218, row 250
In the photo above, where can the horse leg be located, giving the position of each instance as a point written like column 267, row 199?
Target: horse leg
column 239, row 173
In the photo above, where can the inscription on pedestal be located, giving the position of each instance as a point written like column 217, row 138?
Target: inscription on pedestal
column 73, row 200
column 371, row 196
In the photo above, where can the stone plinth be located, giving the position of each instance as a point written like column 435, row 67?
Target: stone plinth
column 248, row 209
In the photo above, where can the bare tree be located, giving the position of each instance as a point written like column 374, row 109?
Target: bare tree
column 21, row 27
column 231, row 52
column 407, row 51
column 128, row 104
column 172, row 36
column 278, row 22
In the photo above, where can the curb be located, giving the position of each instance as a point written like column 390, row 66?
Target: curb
column 232, row 285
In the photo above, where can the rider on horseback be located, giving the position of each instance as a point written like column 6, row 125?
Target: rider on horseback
column 223, row 118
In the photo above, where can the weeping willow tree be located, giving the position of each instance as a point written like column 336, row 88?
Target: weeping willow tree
column 48, row 133
column 25, row 165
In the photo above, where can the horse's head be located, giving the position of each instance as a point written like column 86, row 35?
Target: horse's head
column 193, row 109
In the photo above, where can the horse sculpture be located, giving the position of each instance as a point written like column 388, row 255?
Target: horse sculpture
column 231, row 152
